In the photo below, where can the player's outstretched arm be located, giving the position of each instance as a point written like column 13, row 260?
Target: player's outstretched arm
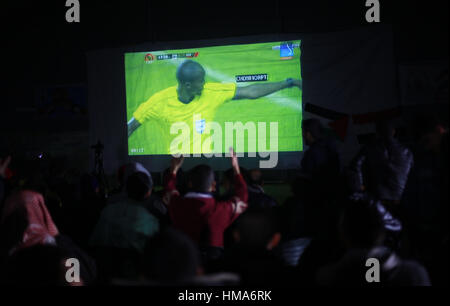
column 256, row 91
column 133, row 124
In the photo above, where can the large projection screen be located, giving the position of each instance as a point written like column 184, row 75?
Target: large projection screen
column 203, row 100
column 349, row 72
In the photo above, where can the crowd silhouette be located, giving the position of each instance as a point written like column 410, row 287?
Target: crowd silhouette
column 192, row 228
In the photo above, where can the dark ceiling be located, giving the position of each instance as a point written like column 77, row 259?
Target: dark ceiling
column 42, row 48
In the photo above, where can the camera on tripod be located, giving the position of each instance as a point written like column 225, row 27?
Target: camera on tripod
column 99, row 172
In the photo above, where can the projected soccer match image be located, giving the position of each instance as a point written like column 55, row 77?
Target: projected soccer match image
column 203, row 100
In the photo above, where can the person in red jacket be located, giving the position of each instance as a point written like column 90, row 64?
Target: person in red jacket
column 198, row 213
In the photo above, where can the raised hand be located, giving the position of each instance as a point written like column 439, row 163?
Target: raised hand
column 239, row 206
column 234, row 161
column 176, row 163
column 4, row 165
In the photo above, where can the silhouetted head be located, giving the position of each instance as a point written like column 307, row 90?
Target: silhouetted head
column 139, row 186
column 171, row 256
column 312, row 130
column 128, row 169
column 253, row 177
column 201, row 179
column 258, row 229
column 361, row 224
column 429, row 131
column 191, row 78
column 40, row 265
column 385, row 129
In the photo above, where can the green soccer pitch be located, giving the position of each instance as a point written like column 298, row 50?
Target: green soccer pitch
column 147, row 73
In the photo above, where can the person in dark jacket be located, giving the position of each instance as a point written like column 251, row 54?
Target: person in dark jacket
column 256, row 193
column 321, row 164
column 253, row 255
column 425, row 200
column 321, row 160
column 361, row 231
column 381, row 167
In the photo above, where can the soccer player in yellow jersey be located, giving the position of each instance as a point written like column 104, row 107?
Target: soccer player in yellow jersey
column 193, row 96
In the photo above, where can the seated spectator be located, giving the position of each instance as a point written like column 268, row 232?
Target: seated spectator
column 299, row 214
column 38, row 265
column 257, row 198
column 299, row 221
column 171, row 258
column 127, row 224
column 361, row 230
column 26, row 222
column 86, row 204
column 153, row 203
column 425, row 200
column 321, row 160
column 426, row 194
column 392, row 226
column 381, row 168
column 123, row 229
column 256, row 235
column 323, row 248
column 197, row 213
column 124, row 173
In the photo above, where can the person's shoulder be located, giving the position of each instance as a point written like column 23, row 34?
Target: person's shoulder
column 111, row 210
column 213, row 86
column 168, row 93
column 413, row 267
column 412, row 273
column 220, row 208
column 195, row 202
column 111, row 206
column 406, row 149
column 116, row 198
column 147, row 215
column 400, row 148
column 268, row 200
